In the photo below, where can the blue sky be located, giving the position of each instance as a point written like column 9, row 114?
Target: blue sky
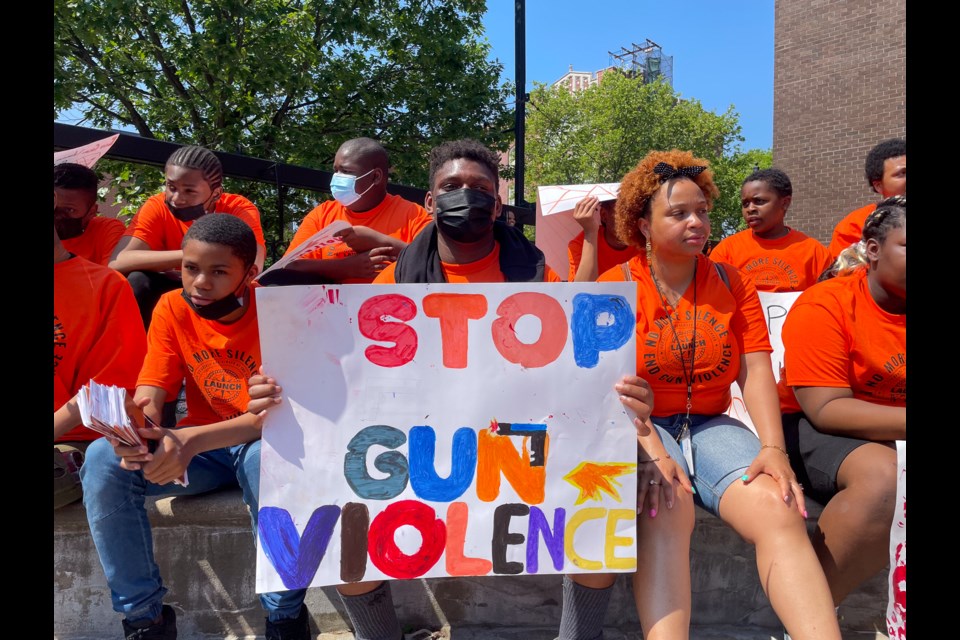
column 722, row 50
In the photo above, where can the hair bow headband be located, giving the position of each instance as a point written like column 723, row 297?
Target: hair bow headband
column 666, row 171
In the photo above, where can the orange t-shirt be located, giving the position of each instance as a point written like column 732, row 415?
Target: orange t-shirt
column 216, row 359
column 849, row 230
column 791, row 263
column 729, row 323
column 395, row 217
column 97, row 333
column 607, row 256
column 486, row 269
column 156, row 225
column 97, row 241
column 835, row 335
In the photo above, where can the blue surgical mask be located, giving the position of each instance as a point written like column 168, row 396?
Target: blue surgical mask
column 343, row 187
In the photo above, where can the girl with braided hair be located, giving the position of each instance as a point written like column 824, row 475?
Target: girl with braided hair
column 844, row 396
column 149, row 252
column 700, row 327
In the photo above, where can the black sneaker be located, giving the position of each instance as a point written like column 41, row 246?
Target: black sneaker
column 166, row 629
column 292, row 628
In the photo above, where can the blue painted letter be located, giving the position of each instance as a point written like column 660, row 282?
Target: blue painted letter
column 590, row 338
column 393, row 463
column 296, row 558
column 423, row 473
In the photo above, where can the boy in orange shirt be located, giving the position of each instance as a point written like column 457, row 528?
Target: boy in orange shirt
column 886, row 172
column 96, row 336
column 81, row 230
column 149, row 253
column 208, row 333
column 772, row 255
column 592, row 251
column 383, row 224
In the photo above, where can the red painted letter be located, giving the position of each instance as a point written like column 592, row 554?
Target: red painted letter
column 372, row 323
column 454, row 311
column 387, row 556
column 553, row 329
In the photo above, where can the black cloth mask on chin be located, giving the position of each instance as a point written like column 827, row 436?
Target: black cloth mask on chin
column 464, row 215
column 217, row 309
column 188, row 214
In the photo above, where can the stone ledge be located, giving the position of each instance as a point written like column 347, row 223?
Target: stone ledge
column 205, row 550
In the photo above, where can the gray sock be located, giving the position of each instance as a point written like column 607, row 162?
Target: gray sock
column 372, row 616
column 583, row 611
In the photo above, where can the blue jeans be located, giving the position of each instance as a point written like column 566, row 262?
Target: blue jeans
column 723, row 449
column 114, row 499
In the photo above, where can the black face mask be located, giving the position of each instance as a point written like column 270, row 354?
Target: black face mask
column 215, row 310
column 69, row 227
column 464, row 215
column 187, row 214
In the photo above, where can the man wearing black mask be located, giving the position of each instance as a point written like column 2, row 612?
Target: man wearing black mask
column 466, row 242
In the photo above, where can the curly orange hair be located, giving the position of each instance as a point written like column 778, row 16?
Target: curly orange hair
column 639, row 186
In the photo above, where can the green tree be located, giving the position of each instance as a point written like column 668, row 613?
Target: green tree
column 283, row 80
column 600, row 133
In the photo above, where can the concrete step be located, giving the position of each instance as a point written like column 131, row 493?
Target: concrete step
column 206, row 555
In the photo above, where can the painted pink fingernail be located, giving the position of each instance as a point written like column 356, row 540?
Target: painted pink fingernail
column 653, row 513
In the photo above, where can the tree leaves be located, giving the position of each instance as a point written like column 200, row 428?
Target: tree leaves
column 600, row 133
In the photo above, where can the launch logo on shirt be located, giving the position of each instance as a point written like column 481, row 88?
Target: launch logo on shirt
column 891, row 384
column 664, row 359
column 59, row 341
column 221, row 374
column 772, row 274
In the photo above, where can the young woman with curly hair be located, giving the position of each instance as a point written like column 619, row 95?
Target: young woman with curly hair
column 700, row 326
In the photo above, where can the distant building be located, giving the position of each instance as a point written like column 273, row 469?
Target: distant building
column 839, row 88
column 578, row 80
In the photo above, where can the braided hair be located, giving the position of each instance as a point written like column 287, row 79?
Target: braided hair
column 201, row 159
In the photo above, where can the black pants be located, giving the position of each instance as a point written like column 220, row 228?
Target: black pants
column 147, row 287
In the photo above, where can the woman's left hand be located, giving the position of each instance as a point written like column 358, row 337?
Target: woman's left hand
column 776, row 464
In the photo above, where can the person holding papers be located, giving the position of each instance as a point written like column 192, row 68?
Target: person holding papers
column 208, row 333
column 597, row 248
column 149, row 253
column 382, row 224
column 97, row 336
column 844, row 396
column 700, row 327
column 465, row 244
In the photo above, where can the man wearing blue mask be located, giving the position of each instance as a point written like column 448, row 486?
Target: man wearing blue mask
column 383, row 224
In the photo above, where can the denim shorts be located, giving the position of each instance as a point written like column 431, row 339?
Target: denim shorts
column 723, row 449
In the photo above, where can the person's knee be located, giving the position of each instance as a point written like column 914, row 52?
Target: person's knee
column 248, row 473
column 875, row 488
column 669, row 522
column 766, row 510
column 102, row 478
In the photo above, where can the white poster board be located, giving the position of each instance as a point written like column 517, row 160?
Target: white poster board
column 775, row 308
column 897, row 580
column 554, row 222
column 446, row 430
column 88, row 154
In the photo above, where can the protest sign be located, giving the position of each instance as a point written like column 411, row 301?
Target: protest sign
column 446, row 430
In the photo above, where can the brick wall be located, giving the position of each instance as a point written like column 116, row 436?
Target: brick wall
column 839, row 88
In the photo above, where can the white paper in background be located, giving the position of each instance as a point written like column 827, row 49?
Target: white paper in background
column 88, row 154
column 897, row 580
column 491, row 442
column 554, row 222
column 321, row 238
column 775, row 308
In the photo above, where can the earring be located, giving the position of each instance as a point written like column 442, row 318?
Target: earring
column 649, row 252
